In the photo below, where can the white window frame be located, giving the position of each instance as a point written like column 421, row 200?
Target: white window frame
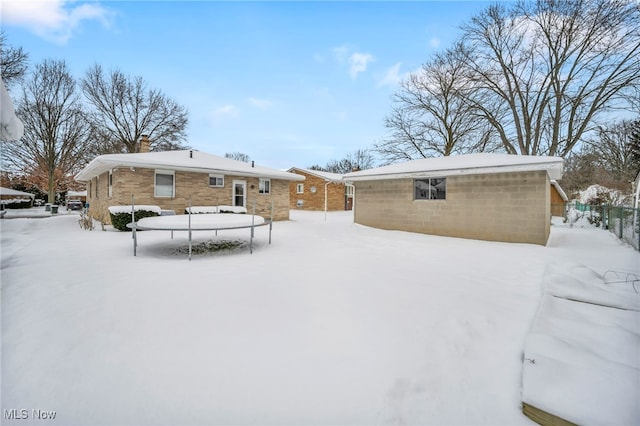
column 261, row 186
column 173, row 183
column 110, row 183
column 300, row 188
column 216, row 177
column 348, row 190
column 244, row 192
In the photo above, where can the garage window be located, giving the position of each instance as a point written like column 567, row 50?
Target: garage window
column 430, row 189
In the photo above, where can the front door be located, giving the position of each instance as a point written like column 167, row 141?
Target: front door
column 240, row 193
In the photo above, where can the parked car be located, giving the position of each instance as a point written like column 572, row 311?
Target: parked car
column 74, row 205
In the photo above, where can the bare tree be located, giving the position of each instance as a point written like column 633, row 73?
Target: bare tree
column 13, row 61
column 238, row 156
column 55, row 128
column 431, row 115
column 617, row 150
column 545, row 71
column 360, row 159
column 124, row 109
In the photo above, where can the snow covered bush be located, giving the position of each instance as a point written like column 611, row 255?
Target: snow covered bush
column 583, row 219
column 596, row 195
column 121, row 215
column 16, row 204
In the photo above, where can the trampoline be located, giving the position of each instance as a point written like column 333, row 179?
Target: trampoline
column 200, row 222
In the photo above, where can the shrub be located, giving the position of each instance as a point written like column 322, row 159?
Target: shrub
column 85, row 221
column 120, row 220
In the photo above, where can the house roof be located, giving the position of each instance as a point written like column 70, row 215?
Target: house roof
column 185, row 160
column 482, row 163
column 76, row 193
column 14, row 193
column 332, row 177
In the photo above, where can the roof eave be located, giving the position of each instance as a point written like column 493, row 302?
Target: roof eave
column 554, row 170
column 325, row 178
column 100, row 165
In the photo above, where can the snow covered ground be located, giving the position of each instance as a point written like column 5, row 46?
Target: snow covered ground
column 333, row 323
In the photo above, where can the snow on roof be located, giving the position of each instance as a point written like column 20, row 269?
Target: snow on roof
column 76, row 194
column 561, row 192
column 482, row 163
column 333, row 177
column 14, row 193
column 184, row 160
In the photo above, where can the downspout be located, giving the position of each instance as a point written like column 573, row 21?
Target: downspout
column 326, row 185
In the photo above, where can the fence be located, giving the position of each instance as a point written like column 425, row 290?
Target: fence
column 624, row 222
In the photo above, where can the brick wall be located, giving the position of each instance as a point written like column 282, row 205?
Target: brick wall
column 315, row 200
column 140, row 184
column 510, row 207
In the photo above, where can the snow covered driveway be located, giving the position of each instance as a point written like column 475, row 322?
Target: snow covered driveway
column 333, row 323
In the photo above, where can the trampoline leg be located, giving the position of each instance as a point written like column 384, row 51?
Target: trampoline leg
column 251, row 242
column 189, row 245
column 135, row 241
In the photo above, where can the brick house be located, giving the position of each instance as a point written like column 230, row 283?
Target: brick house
column 495, row 197
column 320, row 191
column 170, row 179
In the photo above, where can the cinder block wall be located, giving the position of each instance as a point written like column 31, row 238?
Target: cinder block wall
column 315, row 201
column 140, row 183
column 509, row 207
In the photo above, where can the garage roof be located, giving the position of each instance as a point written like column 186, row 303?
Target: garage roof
column 482, row 163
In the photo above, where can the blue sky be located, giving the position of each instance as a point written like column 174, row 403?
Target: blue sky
column 288, row 83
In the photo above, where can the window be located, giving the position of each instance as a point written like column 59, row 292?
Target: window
column 216, row 180
column 264, row 186
column 97, row 185
column 164, row 183
column 300, row 188
column 430, row 189
column 110, row 184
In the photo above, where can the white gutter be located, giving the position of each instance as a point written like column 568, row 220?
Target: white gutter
column 326, row 186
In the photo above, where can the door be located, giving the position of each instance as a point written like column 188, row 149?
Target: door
column 240, row 193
